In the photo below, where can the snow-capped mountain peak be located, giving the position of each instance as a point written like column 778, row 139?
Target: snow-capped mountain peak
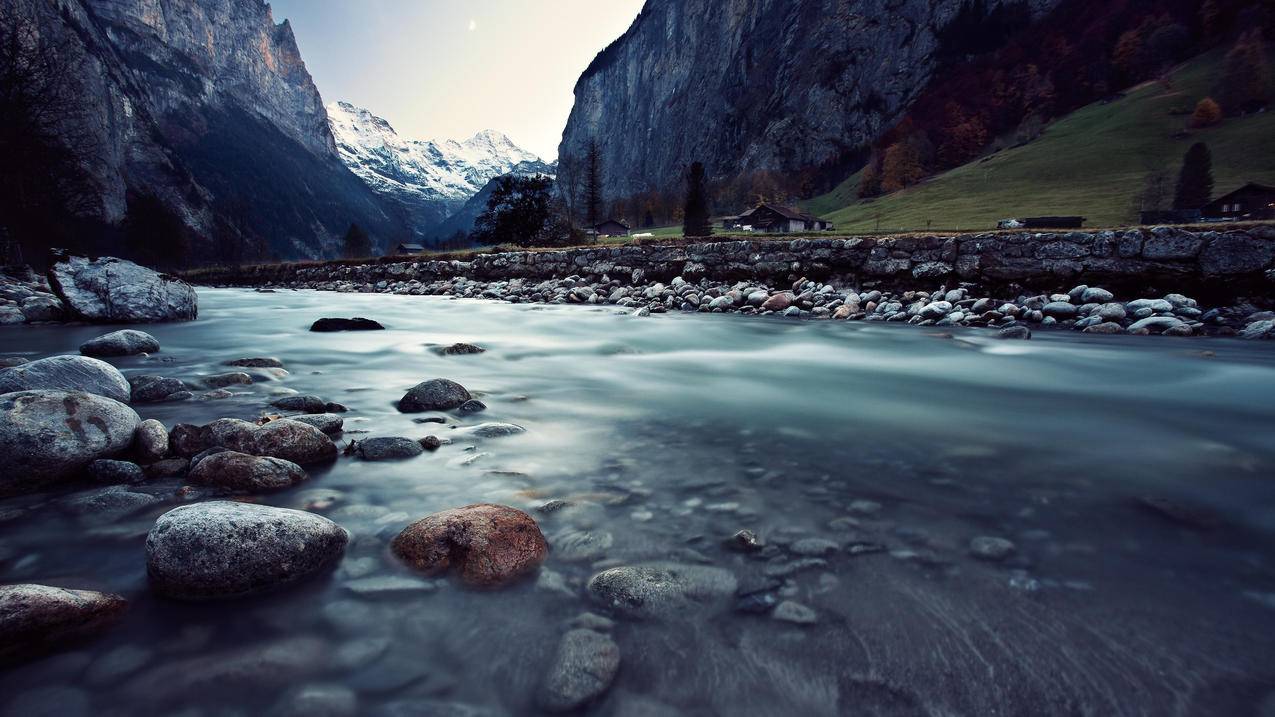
column 432, row 178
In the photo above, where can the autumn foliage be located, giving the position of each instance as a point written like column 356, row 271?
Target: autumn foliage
column 1207, row 113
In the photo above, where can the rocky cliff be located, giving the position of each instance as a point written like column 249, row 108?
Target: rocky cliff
column 745, row 85
column 208, row 105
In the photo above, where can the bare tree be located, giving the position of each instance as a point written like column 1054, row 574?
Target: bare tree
column 45, row 186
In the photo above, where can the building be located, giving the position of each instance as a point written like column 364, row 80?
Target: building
column 1250, row 202
column 611, row 228
column 409, row 249
column 775, row 219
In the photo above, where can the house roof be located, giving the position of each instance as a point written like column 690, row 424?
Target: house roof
column 411, row 247
column 599, row 225
column 1248, row 186
column 785, row 212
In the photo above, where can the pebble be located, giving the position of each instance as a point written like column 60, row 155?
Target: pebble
column 794, row 612
column 991, row 548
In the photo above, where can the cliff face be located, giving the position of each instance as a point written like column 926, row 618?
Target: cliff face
column 745, row 85
column 207, row 105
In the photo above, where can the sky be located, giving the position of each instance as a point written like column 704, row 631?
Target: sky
column 444, row 69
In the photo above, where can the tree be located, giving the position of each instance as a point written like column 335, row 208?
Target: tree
column 901, row 167
column 1246, row 75
column 696, row 222
column 46, row 190
column 521, row 211
column 1206, row 114
column 356, row 244
column 1157, row 191
column 870, row 178
column 1195, row 180
column 593, row 185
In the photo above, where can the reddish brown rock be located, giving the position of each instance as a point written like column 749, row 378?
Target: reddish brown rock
column 778, row 302
column 488, row 545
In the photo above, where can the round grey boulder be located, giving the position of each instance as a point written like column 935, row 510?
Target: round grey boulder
column 223, row 549
column 292, row 441
column 67, row 373
column 126, row 342
column 36, row 619
column 153, row 389
column 581, row 671
column 326, row 422
column 388, row 448
column 304, row 404
column 1059, row 310
column 50, row 436
column 150, row 441
column 242, row 473
column 105, row 470
column 437, row 394
column 659, row 590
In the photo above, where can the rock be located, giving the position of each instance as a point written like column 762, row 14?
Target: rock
column 778, row 302
column 1106, row 327
column 67, row 373
column 1095, row 295
column 430, row 443
column 222, row 549
column 126, row 342
column 488, row 545
column 1111, row 312
column 318, row 701
column 745, row 541
column 36, row 619
column 263, row 666
column 991, row 548
column 243, row 473
column 222, row 380
column 473, row 405
column 438, row 394
column 11, row 361
column 259, row 362
column 581, row 670
column 292, row 441
column 42, row 308
column 150, row 441
column 104, row 470
column 110, row 504
column 814, row 547
column 789, row 611
column 1259, row 330
column 355, row 324
column 168, row 468
column 1156, row 305
column 659, row 589
column 195, row 459
column 326, row 422
column 1155, row 323
column 11, row 316
column 384, row 449
column 1060, row 310
column 1014, row 332
column 50, row 436
column 117, row 291
column 935, row 310
column 187, row 440
column 461, row 350
column 493, row 430
column 152, row 389
column 304, row 404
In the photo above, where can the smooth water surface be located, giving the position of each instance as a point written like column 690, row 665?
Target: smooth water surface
column 667, row 435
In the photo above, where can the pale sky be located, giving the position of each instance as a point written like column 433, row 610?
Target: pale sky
column 446, row 69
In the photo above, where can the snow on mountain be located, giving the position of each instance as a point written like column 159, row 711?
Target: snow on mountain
column 430, row 178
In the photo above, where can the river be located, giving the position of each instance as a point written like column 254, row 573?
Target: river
column 1134, row 476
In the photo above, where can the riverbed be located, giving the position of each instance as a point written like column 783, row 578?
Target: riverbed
column 1132, row 475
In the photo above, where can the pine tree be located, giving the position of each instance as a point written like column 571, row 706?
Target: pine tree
column 356, row 244
column 1195, row 181
column 593, row 185
column 695, row 221
column 1246, row 75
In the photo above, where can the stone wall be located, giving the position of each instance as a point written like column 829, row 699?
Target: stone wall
column 1211, row 264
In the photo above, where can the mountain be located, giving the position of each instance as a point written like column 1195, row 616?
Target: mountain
column 751, row 85
column 462, row 219
column 428, row 179
column 208, row 106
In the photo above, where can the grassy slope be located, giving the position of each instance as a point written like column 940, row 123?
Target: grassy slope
column 1092, row 163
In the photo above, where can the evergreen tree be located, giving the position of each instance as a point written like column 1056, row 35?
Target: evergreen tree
column 1246, row 75
column 356, row 244
column 695, row 222
column 593, row 185
column 521, row 211
column 1195, row 181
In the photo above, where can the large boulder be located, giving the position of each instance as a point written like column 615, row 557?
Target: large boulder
column 223, row 549
column 125, row 342
column 660, row 590
column 488, row 545
column 293, row 441
column 358, row 323
column 67, row 373
column 243, row 473
column 582, row 669
column 107, row 289
column 436, row 394
column 35, row 619
column 50, row 436
column 388, row 448
column 153, row 389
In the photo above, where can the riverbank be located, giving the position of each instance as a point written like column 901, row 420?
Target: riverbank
column 1160, row 281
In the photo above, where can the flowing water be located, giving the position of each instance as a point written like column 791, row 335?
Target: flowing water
column 1134, row 474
